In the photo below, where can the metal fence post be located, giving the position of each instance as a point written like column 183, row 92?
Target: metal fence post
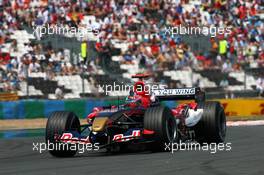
column 245, row 80
column 83, row 79
column 27, row 79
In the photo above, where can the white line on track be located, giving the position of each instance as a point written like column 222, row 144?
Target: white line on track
column 245, row 123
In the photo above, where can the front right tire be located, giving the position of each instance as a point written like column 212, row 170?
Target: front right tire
column 161, row 120
column 212, row 126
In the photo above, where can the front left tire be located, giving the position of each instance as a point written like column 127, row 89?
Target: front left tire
column 58, row 123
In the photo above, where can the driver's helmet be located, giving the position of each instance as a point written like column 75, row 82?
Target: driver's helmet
column 140, row 89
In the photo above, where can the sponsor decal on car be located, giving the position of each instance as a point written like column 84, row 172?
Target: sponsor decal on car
column 168, row 92
column 68, row 138
column 125, row 138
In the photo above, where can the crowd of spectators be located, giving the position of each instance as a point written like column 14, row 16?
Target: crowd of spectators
column 242, row 47
column 142, row 25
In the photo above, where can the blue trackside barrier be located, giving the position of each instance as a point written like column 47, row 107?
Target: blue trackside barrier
column 34, row 108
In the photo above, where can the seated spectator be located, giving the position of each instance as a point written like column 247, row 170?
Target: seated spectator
column 154, row 49
column 128, row 58
column 260, row 85
column 224, row 83
column 59, row 93
column 34, row 66
column 227, row 67
column 13, row 81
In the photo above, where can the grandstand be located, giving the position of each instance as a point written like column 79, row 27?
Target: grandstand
column 131, row 39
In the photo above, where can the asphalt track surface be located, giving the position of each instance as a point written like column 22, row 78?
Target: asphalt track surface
column 246, row 157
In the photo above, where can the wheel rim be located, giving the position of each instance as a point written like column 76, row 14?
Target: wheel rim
column 75, row 125
column 171, row 129
column 222, row 125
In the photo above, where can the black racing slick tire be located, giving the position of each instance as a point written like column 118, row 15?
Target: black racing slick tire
column 161, row 120
column 57, row 124
column 212, row 126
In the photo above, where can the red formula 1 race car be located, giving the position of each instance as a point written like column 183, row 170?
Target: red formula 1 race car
column 142, row 119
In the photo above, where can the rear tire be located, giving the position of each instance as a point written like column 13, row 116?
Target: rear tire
column 162, row 122
column 57, row 124
column 212, row 126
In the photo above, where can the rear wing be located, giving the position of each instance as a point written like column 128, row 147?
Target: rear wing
column 179, row 94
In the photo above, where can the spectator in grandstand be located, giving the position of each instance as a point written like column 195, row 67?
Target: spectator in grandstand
column 13, row 47
column 260, row 85
column 128, row 58
column 66, row 68
column 142, row 60
column 6, row 85
column 14, row 83
column 223, row 48
column 214, row 50
column 227, row 67
column 50, row 70
column 91, row 68
column 22, row 71
column 261, row 59
column 34, row 66
column 224, row 83
column 59, row 93
column 161, row 60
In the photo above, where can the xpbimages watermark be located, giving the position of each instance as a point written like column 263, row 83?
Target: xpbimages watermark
column 64, row 30
column 197, row 30
column 194, row 146
column 117, row 87
column 80, row 147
